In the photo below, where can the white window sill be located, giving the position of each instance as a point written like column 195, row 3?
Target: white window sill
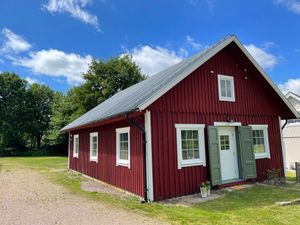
column 93, row 160
column 227, row 99
column 191, row 163
column 75, row 156
column 123, row 163
column 262, row 156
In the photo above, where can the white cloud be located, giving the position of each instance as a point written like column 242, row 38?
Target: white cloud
column 191, row 41
column 32, row 80
column 264, row 59
column 153, row 60
column 13, row 43
column 292, row 85
column 292, row 5
column 75, row 8
column 57, row 63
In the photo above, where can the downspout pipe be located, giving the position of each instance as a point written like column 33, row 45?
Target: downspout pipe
column 142, row 129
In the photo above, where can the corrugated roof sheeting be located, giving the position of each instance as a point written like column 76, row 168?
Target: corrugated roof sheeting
column 131, row 98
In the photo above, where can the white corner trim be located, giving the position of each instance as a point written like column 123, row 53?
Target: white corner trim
column 201, row 141
column 69, row 149
column 267, row 153
column 204, row 59
column 231, row 79
column 149, row 156
column 227, row 124
column 122, row 162
column 94, row 158
column 282, row 147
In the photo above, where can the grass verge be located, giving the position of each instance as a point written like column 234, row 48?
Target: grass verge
column 250, row 206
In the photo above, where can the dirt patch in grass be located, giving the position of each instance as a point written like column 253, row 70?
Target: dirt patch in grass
column 99, row 187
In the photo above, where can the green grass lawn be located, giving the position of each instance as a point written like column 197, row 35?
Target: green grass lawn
column 254, row 205
column 290, row 176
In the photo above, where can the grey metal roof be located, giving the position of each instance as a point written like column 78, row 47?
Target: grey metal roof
column 144, row 93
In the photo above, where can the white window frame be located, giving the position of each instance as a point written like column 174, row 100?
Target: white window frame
column 191, row 162
column 94, row 158
column 122, row 162
column 231, row 79
column 75, row 154
column 263, row 127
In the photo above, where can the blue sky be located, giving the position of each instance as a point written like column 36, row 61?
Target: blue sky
column 52, row 41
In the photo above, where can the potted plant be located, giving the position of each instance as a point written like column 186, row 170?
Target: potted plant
column 208, row 187
column 203, row 190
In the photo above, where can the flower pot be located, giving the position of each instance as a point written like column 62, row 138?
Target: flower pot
column 203, row 192
column 208, row 191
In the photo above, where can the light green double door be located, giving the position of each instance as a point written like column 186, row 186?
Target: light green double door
column 231, row 154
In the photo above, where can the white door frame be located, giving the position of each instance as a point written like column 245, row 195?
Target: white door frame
column 230, row 165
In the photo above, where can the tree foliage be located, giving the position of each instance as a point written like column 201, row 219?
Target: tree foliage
column 12, row 110
column 32, row 115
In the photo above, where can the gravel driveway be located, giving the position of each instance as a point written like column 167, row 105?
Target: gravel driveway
column 26, row 197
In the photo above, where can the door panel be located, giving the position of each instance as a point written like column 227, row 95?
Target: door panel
column 228, row 153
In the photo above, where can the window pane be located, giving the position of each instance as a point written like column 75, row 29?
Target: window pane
column 123, row 145
column 190, row 144
column 258, row 141
column 224, row 142
column 183, row 134
column 196, row 154
column 184, row 154
column 124, row 155
column 195, row 134
column 189, row 134
column 228, row 89
column 223, row 88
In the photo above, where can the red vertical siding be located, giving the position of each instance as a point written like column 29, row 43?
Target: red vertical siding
column 105, row 169
column 195, row 100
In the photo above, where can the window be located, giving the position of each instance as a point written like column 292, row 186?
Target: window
column 123, row 146
column 226, row 88
column 224, row 142
column 94, row 146
column 260, row 141
column 75, row 145
column 190, row 145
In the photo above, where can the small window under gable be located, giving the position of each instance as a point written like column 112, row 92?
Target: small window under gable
column 190, row 145
column 75, row 145
column 123, row 146
column 260, row 141
column 94, row 146
column 226, row 88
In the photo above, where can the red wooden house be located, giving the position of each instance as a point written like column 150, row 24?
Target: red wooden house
column 215, row 116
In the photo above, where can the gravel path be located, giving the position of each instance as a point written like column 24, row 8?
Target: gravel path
column 26, row 197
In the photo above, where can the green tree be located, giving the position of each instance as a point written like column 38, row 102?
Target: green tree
column 103, row 80
column 12, row 111
column 39, row 111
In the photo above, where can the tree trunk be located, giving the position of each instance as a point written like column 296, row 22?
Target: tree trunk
column 38, row 140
